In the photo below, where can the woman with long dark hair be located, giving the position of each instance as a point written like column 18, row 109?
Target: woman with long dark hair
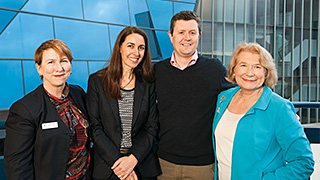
column 122, row 110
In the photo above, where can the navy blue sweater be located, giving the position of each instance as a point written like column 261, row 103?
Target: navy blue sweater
column 186, row 103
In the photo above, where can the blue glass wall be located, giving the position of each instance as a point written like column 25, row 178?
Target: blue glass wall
column 89, row 27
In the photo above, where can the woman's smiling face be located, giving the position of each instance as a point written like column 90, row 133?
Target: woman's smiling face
column 249, row 73
column 132, row 51
column 54, row 69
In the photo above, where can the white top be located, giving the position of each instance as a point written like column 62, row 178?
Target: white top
column 224, row 136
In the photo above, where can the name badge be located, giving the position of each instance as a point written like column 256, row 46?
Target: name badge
column 50, row 125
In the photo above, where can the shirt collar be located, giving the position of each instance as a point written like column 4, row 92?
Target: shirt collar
column 64, row 96
column 192, row 61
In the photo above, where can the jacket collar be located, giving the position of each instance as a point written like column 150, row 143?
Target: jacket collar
column 75, row 95
column 262, row 103
column 138, row 95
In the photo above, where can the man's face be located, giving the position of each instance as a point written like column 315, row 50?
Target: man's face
column 185, row 38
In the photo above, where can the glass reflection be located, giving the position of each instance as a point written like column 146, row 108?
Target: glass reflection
column 240, row 5
column 68, row 8
column 296, row 66
column 24, row 34
column 269, row 39
column 229, row 38
column 298, row 13
column 12, row 4
column 95, row 66
column 143, row 19
column 154, row 45
column 11, row 80
column 315, row 12
column 114, row 32
column 109, row 11
column 306, row 64
column 289, row 13
column 250, row 7
column 250, row 33
column 161, row 9
column 260, row 11
column 79, row 74
column 217, row 43
column 206, row 10
column 229, row 10
column 206, row 40
column 306, row 15
column 227, row 61
column 86, row 40
column 260, row 34
column 177, row 7
column 279, row 12
column 193, row 1
column 5, row 18
column 31, row 76
column 288, row 63
column 138, row 7
column 165, row 44
column 240, row 34
column 218, row 13
column 270, row 13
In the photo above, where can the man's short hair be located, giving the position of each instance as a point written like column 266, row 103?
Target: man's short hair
column 184, row 15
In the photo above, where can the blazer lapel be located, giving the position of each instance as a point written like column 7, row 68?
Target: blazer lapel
column 262, row 102
column 77, row 97
column 52, row 113
column 115, row 109
column 138, row 96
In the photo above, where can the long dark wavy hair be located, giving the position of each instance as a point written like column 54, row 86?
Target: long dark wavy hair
column 112, row 74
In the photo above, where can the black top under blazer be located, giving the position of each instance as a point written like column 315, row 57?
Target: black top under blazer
column 106, row 128
column 30, row 151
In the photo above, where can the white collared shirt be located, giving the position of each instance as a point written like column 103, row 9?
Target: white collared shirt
column 192, row 61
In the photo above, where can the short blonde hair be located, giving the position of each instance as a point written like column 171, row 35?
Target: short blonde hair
column 266, row 61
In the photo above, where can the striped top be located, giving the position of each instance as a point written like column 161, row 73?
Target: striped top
column 126, row 117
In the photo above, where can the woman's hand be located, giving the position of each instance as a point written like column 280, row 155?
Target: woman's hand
column 132, row 176
column 124, row 166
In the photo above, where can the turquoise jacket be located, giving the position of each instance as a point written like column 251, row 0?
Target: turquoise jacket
column 269, row 142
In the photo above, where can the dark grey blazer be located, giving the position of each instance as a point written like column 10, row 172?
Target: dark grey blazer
column 31, row 150
column 106, row 132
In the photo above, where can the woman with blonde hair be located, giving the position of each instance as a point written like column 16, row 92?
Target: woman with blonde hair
column 256, row 134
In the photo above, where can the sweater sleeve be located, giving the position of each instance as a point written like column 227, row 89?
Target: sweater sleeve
column 224, row 83
column 297, row 151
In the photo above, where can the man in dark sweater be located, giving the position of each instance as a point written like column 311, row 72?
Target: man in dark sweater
column 187, row 85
